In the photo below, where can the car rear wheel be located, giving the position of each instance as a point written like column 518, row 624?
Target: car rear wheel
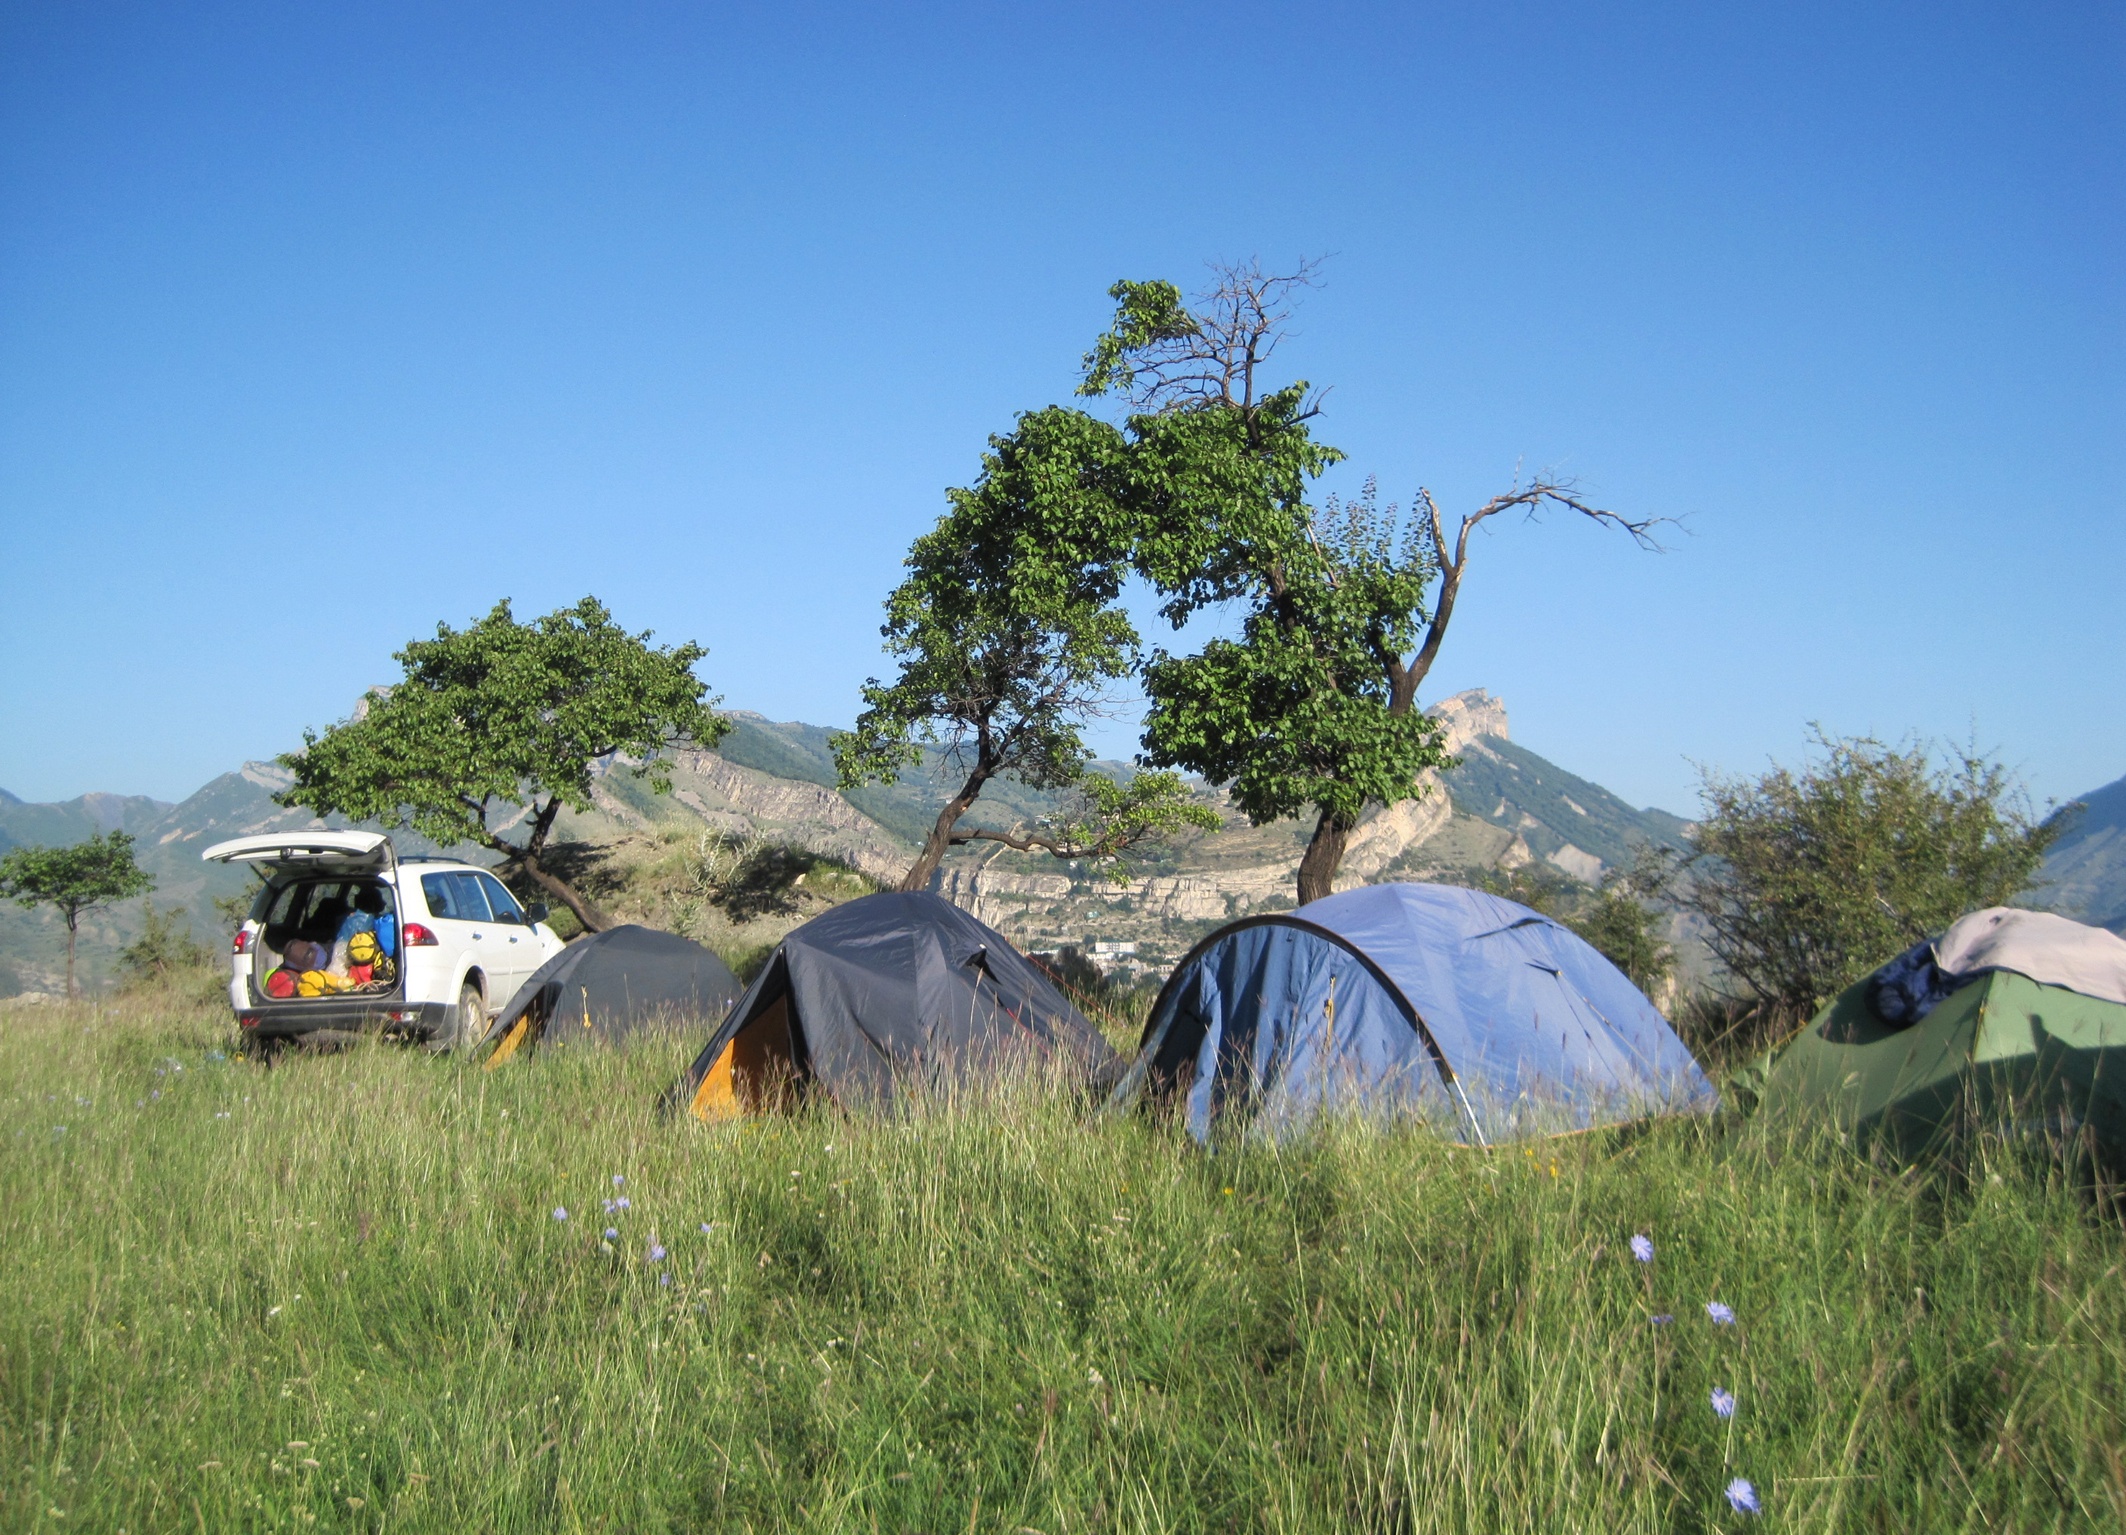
column 468, row 1020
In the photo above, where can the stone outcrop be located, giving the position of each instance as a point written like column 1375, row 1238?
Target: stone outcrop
column 1469, row 716
column 746, row 802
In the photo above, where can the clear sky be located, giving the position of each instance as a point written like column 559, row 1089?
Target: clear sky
column 321, row 324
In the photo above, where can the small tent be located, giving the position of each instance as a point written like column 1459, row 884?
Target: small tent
column 2010, row 1020
column 1428, row 1002
column 606, row 985
column 882, row 994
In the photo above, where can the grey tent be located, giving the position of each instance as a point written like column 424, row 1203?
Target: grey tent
column 883, row 994
column 605, row 985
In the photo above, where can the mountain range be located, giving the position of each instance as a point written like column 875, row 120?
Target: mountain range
column 773, row 783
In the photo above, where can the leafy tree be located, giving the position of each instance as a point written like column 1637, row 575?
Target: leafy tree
column 1808, row 880
column 74, row 879
column 1315, row 704
column 1009, row 635
column 505, row 716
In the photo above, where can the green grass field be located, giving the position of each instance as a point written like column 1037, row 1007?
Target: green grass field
column 335, row 1295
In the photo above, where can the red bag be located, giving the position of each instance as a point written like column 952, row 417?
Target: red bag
column 281, row 983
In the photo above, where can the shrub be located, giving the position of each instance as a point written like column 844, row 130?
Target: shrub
column 1808, row 880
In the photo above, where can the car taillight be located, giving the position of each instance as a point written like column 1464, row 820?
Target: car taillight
column 243, row 942
column 419, row 937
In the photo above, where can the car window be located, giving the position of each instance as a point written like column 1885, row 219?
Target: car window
column 504, row 904
column 285, row 906
column 454, row 895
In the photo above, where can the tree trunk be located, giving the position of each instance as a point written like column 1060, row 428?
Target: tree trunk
column 593, row 920
column 1325, row 852
column 71, row 920
column 940, row 838
column 527, row 859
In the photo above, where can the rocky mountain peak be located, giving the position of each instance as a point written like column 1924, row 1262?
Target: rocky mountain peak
column 1471, row 715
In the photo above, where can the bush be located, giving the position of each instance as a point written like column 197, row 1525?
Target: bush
column 166, row 953
column 1807, row 881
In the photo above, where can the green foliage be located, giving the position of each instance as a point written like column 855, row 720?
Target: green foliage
column 164, row 951
column 1106, row 818
column 1148, row 316
column 348, row 1303
column 1629, row 936
column 1536, row 886
column 1007, row 626
column 505, row 714
column 74, row 880
column 1313, row 705
column 1809, row 880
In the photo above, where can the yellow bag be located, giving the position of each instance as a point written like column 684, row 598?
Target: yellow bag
column 318, row 983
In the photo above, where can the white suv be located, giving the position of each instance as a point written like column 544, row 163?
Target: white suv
column 345, row 937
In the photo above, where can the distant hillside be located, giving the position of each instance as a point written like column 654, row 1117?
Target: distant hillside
column 74, row 820
column 774, row 782
column 2085, row 872
column 1576, row 825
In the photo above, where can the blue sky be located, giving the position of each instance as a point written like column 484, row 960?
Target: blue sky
column 319, row 325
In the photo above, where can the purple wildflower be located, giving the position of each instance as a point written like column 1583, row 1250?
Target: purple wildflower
column 1662, row 1319
column 664, row 1279
column 612, row 1233
column 656, row 1251
column 707, row 1227
column 1720, row 1312
column 1723, row 1402
column 618, row 1179
column 560, row 1212
column 1742, row 1497
column 1642, row 1248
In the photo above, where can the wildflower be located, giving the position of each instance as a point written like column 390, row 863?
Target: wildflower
column 1742, row 1497
column 618, row 1179
column 656, row 1251
column 1642, row 1248
column 1723, row 1402
column 664, row 1279
column 1664, row 1319
column 612, row 1233
column 224, row 1114
column 1720, row 1312
column 560, row 1212
column 707, row 1227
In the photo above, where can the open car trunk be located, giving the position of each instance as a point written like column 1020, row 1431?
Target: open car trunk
column 335, row 936
column 328, row 920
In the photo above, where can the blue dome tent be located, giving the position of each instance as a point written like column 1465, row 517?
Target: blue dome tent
column 1427, row 1002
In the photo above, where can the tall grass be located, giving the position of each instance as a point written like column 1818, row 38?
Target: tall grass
column 335, row 1294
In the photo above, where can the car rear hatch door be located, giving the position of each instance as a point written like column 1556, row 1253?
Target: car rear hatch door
column 307, row 852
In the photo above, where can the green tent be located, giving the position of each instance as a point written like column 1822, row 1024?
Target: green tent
column 2001, row 1052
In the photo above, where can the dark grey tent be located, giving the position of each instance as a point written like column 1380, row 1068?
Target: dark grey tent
column 605, row 985
column 886, row 993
